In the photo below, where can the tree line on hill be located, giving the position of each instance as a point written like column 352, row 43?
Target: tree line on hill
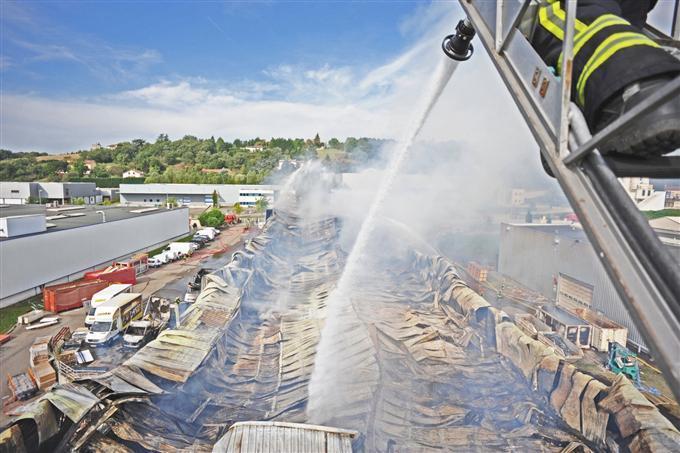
column 187, row 160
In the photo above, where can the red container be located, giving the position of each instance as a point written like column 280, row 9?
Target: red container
column 67, row 296
column 114, row 274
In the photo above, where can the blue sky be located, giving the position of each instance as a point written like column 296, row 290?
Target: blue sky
column 82, row 72
column 82, row 48
column 74, row 73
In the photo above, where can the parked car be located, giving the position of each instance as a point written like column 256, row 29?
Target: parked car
column 140, row 333
column 159, row 260
column 209, row 232
column 201, row 238
column 199, row 243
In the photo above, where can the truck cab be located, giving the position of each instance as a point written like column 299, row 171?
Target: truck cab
column 113, row 317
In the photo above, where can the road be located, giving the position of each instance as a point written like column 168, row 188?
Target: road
column 168, row 281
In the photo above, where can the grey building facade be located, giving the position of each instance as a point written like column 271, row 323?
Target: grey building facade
column 559, row 262
column 12, row 192
column 186, row 194
column 78, row 241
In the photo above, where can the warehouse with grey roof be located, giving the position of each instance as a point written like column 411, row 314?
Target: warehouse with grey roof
column 40, row 246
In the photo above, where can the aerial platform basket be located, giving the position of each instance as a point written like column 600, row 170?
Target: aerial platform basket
column 643, row 271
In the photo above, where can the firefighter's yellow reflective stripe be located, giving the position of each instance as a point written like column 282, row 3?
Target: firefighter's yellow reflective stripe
column 604, row 51
column 559, row 12
column 552, row 18
column 606, row 20
column 545, row 20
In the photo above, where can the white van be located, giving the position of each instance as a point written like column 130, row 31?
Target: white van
column 183, row 248
column 112, row 318
column 104, row 295
column 159, row 260
column 172, row 255
column 208, row 232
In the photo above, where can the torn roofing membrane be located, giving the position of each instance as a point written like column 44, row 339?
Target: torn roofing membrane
column 409, row 368
column 405, row 374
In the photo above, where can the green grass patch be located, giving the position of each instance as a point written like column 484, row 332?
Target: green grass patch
column 8, row 315
column 662, row 213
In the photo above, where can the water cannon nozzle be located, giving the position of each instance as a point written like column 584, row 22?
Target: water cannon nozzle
column 458, row 46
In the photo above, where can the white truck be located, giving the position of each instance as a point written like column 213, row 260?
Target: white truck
column 164, row 257
column 114, row 316
column 208, row 232
column 183, row 248
column 104, row 295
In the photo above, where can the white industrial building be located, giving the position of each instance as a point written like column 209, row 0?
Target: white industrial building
column 642, row 192
column 41, row 246
column 559, row 262
column 249, row 197
column 14, row 192
column 195, row 194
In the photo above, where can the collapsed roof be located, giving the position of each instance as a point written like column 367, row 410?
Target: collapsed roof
column 417, row 361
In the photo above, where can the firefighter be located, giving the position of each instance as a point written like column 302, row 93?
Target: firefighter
column 615, row 68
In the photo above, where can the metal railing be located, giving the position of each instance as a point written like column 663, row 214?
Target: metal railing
column 73, row 374
column 641, row 269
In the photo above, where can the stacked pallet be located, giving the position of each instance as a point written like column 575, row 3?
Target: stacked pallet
column 39, row 360
column 21, row 386
column 39, row 351
column 44, row 375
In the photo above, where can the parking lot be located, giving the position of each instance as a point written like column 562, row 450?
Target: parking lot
column 169, row 281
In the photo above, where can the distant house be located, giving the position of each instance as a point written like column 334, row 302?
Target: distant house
column 133, row 174
column 90, row 164
column 95, row 146
column 259, row 146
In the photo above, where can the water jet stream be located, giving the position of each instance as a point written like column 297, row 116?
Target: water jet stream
column 319, row 387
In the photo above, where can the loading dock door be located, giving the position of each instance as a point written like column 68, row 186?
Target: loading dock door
column 573, row 293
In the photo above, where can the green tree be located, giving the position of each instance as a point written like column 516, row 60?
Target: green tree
column 116, row 170
column 100, row 172
column 237, row 208
column 261, row 204
column 78, row 201
column 212, row 218
column 79, row 167
column 215, row 199
column 171, row 201
column 334, row 143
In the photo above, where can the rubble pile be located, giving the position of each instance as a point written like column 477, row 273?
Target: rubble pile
column 422, row 362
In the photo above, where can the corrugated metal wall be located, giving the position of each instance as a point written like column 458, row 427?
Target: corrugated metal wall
column 535, row 255
column 30, row 261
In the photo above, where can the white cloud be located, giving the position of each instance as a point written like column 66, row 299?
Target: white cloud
column 291, row 101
